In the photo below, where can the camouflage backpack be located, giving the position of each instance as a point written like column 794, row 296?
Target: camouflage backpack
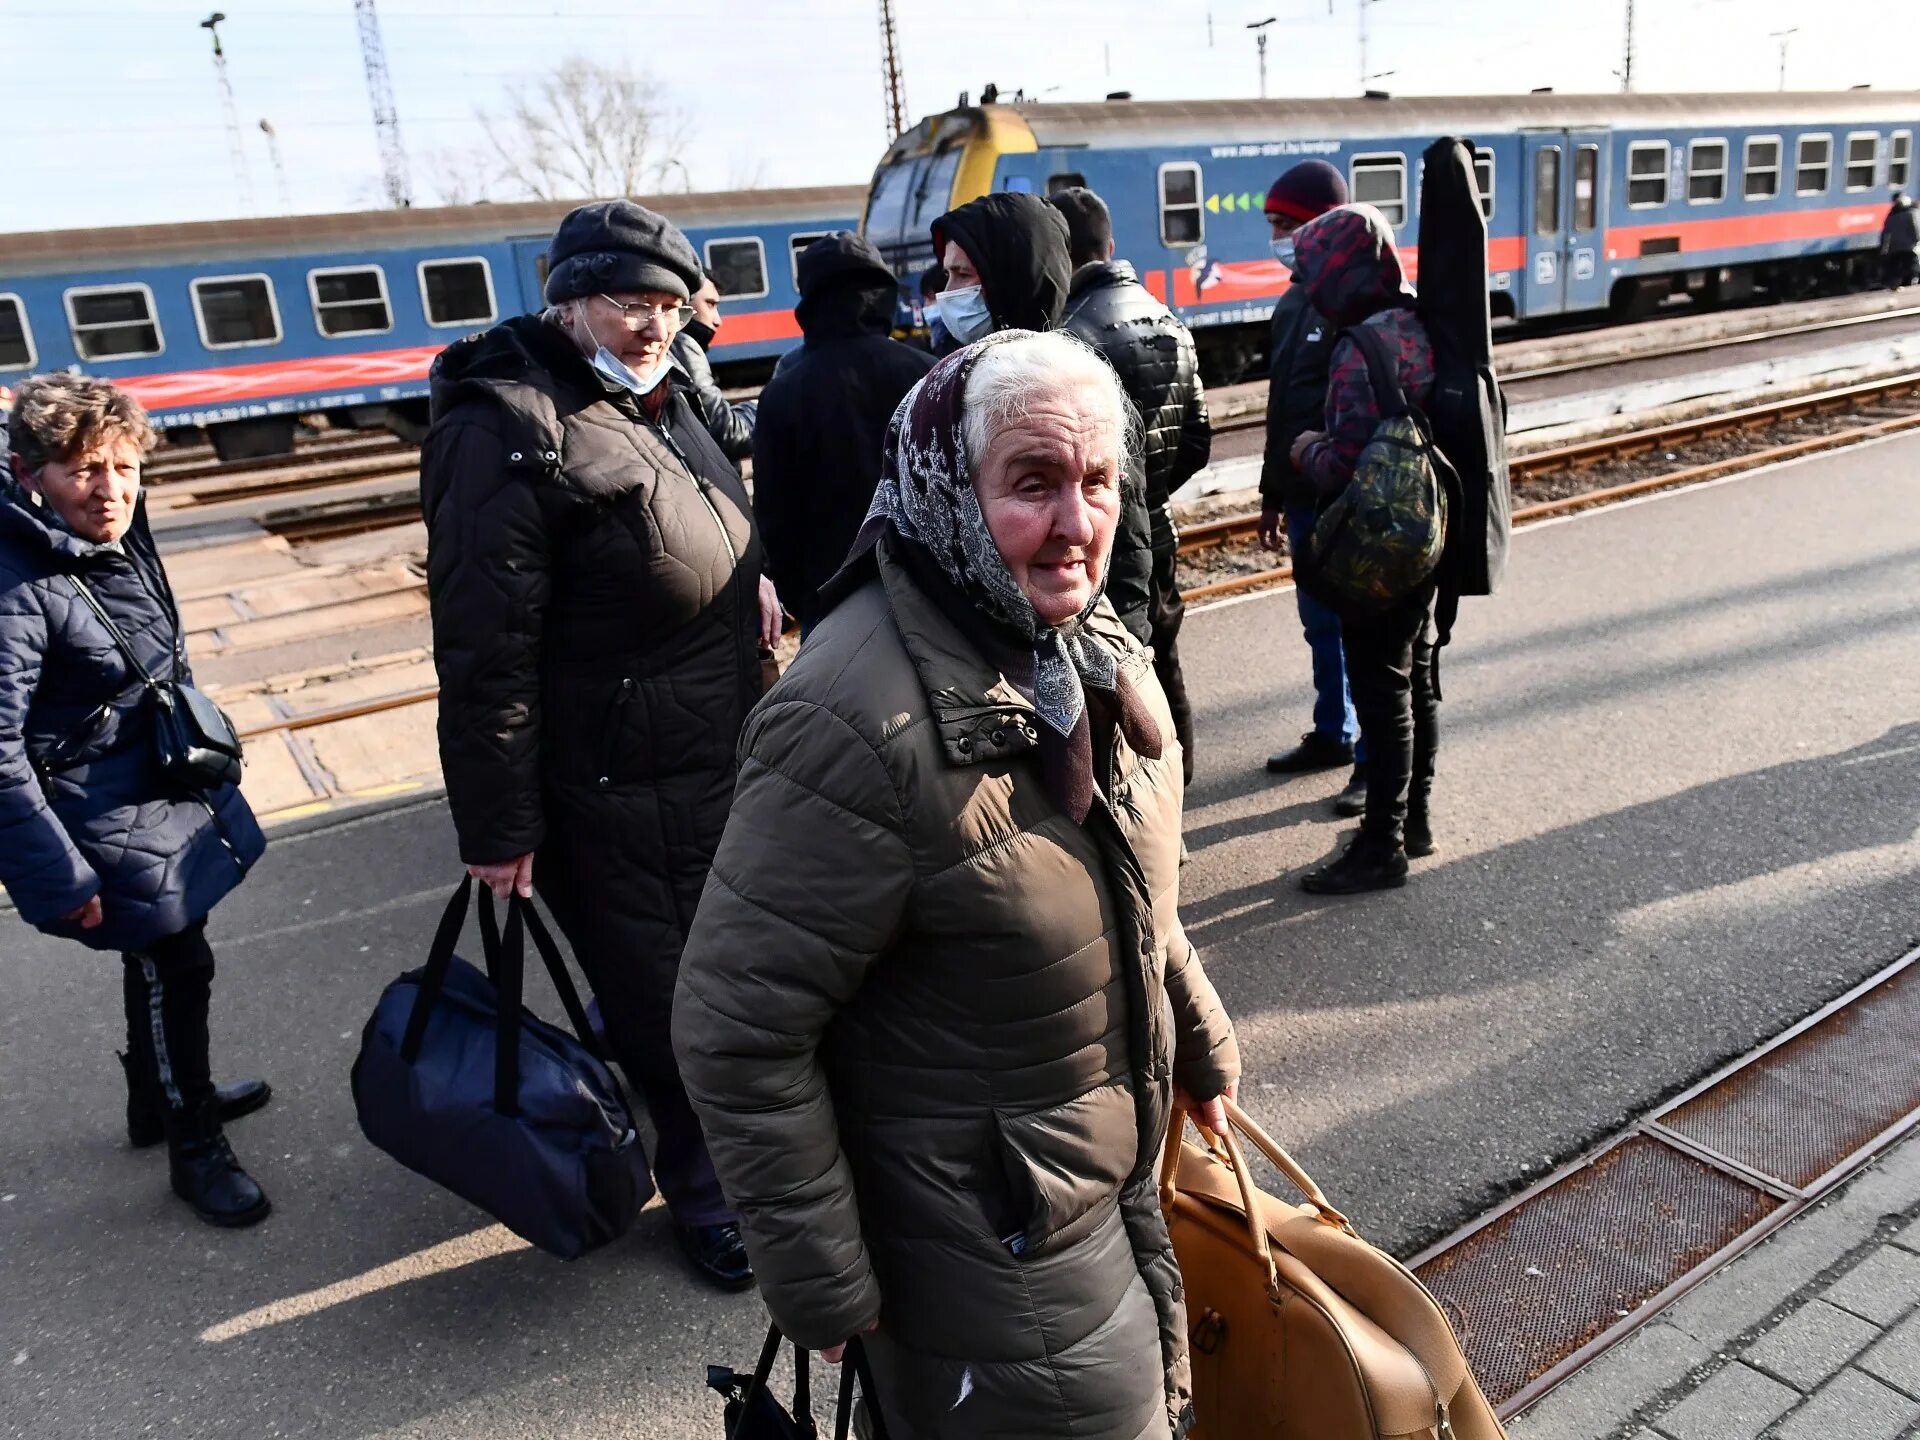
column 1380, row 539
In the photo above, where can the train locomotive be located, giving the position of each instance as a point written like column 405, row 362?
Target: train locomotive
column 238, row 328
column 1596, row 204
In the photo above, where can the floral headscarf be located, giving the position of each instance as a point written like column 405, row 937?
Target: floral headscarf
column 926, row 495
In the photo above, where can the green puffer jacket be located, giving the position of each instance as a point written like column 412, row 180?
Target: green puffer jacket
column 931, row 1027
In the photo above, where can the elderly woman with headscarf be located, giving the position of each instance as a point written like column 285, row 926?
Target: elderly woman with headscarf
column 598, row 611
column 937, row 999
column 98, row 843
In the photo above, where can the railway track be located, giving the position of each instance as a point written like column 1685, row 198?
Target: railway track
column 1658, row 449
column 1868, row 411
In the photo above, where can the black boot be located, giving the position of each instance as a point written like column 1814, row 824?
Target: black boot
column 147, row 1112
column 1366, row 864
column 205, row 1173
column 1419, row 832
column 1314, row 752
column 718, row 1253
column 1351, row 802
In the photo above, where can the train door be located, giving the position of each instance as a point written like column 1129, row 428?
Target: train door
column 530, row 270
column 1565, row 187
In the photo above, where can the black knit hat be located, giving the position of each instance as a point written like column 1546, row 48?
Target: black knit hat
column 616, row 245
column 1307, row 191
column 1089, row 223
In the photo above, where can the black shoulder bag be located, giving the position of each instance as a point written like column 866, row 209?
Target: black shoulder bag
column 193, row 739
column 753, row 1414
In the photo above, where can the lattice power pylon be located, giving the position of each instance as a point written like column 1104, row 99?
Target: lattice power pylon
column 890, row 61
column 386, row 118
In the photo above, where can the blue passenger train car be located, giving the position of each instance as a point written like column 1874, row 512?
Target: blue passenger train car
column 1595, row 203
column 240, row 327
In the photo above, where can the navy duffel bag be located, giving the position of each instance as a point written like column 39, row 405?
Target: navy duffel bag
column 457, row 1080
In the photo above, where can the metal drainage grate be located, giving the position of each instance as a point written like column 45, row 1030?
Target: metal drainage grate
column 1571, row 1261
column 1803, row 1108
column 1553, row 1277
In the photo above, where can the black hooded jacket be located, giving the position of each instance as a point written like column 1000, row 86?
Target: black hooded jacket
column 593, row 573
column 1018, row 243
column 823, row 417
column 729, row 422
column 1153, row 355
column 1899, row 233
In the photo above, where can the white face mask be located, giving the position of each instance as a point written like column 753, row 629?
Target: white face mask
column 965, row 314
column 1283, row 251
column 617, row 373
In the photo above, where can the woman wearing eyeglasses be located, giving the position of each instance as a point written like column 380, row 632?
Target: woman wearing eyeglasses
column 598, row 610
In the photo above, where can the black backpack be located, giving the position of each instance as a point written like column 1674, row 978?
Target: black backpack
column 1467, row 412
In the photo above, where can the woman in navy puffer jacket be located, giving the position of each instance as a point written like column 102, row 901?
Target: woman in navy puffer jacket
column 95, row 844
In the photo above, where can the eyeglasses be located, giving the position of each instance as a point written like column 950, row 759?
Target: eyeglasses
column 643, row 313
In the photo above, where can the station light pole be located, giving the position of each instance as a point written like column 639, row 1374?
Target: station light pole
column 1783, row 36
column 235, row 143
column 1365, row 74
column 1259, row 28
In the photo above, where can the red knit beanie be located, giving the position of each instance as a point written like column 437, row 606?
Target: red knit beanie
column 1307, row 191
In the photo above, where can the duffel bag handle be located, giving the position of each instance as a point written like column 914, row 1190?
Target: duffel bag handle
column 434, row 977
column 1287, row 1166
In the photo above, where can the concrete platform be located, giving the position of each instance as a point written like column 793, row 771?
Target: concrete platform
column 1677, row 811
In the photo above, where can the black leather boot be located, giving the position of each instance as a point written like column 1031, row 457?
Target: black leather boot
column 205, row 1173
column 1366, row 864
column 718, row 1253
column 147, row 1112
column 1419, row 831
column 1314, row 752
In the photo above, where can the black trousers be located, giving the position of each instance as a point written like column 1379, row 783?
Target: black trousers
column 1897, row 268
column 168, row 987
column 1165, row 612
column 1390, row 671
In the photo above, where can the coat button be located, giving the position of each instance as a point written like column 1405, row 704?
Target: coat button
column 999, row 737
column 515, row 456
column 553, row 454
column 964, row 745
column 626, row 685
column 605, row 781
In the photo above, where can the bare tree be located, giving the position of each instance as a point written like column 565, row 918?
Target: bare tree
column 586, row 129
column 461, row 177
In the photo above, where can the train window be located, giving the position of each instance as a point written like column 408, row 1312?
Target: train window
column 1546, row 190
column 1182, row 220
column 1813, row 165
column 114, row 322
column 16, row 337
column 1483, row 180
column 1899, row 156
column 1706, row 172
column 1066, row 180
column 350, row 301
column 1380, row 181
column 457, row 292
column 235, row 310
column 739, row 267
column 1863, row 159
column 1586, row 188
column 797, row 243
column 1647, row 174
column 1761, row 170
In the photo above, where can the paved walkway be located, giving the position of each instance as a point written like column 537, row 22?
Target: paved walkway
column 1813, row 1335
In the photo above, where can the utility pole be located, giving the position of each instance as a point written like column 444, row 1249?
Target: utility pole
column 279, row 170
column 386, row 117
column 1626, row 63
column 1366, row 75
column 234, row 141
column 1259, row 28
column 890, row 66
column 1783, row 36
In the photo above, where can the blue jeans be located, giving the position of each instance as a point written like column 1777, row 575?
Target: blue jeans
column 1333, row 714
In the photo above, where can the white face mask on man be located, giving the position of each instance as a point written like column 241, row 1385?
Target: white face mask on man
column 965, row 314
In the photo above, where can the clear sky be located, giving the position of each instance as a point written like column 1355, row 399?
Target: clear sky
column 112, row 115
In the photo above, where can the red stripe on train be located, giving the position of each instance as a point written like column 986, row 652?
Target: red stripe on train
column 1694, row 235
column 1242, row 281
column 368, row 369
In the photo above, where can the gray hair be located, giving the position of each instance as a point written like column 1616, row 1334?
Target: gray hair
column 1005, row 380
column 64, row 417
column 569, row 317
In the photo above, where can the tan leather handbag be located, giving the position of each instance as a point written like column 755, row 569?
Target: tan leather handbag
column 1299, row 1329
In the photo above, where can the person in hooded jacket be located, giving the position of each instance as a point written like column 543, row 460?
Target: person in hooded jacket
column 823, row 417
column 938, row 1005
column 1008, row 263
column 730, row 422
column 1154, row 357
column 97, row 845
column 1299, row 347
column 1346, row 263
column 598, row 608
column 1899, row 237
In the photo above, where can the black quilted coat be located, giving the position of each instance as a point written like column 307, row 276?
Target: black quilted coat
column 594, row 579
column 1153, row 355
column 97, row 817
